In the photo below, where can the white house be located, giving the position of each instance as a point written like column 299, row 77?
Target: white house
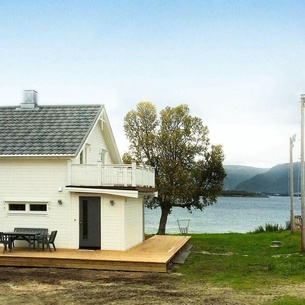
column 60, row 169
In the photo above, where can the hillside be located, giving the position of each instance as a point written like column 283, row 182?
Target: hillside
column 274, row 181
column 238, row 173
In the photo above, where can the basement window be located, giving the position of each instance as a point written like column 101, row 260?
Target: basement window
column 27, row 208
column 16, row 207
column 38, row 207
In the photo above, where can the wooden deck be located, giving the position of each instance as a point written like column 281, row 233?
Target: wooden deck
column 154, row 255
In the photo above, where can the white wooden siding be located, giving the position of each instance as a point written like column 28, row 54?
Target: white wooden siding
column 30, row 180
column 96, row 144
column 122, row 223
column 112, row 224
column 134, row 227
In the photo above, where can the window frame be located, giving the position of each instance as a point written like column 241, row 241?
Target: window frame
column 27, row 210
column 103, row 154
column 16, row 210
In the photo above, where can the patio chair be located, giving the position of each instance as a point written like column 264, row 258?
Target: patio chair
column 48, row 240
column 4, row 240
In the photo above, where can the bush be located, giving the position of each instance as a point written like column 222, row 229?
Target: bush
column 269, row 228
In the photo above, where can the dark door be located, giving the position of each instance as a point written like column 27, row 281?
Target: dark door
column 89, row 223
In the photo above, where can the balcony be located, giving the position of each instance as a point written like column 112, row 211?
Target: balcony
column 111, row 175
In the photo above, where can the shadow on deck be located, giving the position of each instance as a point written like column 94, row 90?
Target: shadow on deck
column 155, row 254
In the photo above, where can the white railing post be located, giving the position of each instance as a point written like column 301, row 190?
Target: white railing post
column 153, row 177
column 125, row 181
column 99, row 174
column 144, row 175
column 141, row 174
column 133, row 173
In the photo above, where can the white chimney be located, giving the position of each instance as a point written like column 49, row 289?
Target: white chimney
column 29, row 99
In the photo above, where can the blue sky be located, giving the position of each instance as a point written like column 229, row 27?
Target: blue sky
column 239, row 65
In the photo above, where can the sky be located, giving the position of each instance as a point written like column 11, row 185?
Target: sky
column 238, row 65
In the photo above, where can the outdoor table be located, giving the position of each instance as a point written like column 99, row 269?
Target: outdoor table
column 30, row 237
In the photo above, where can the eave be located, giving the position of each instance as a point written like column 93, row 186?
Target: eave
column 131, row 192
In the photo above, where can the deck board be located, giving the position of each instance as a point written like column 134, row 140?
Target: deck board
column 154, row 254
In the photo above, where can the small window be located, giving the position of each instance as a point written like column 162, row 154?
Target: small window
column 16, row 206
column 81, row 158
column 103, row 156
column 34, row 208
column 38, row 207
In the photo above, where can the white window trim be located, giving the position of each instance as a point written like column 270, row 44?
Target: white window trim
column 103, row 153
column 27, row 208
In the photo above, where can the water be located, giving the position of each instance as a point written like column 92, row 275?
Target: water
column 229, row 214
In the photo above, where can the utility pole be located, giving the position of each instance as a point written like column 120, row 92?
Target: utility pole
column 292, row 225
column 302, row 176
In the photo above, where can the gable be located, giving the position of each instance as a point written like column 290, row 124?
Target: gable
column 110, row 140
column 47, row 130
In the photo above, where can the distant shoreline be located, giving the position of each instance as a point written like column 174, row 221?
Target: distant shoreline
column 242, row 194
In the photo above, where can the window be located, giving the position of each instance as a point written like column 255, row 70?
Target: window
column 83, row 157
column 27, row 207
column 38, row 207
column 85, row 219
column 16, row 207
column 103, row 153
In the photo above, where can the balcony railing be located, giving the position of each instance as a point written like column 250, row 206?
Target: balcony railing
column 111, row 175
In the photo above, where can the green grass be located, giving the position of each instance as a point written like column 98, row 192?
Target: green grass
column 244, row 261
column 288, row 301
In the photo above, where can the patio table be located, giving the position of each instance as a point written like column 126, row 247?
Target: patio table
column 30, row 237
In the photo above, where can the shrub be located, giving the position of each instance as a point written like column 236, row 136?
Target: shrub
column 269, row 228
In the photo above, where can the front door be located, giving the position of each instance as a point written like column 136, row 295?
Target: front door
column 89, row 223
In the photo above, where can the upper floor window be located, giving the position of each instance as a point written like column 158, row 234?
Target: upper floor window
column 83, row 157
column 103, row 154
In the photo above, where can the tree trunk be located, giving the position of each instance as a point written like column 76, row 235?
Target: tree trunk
column 163, row 220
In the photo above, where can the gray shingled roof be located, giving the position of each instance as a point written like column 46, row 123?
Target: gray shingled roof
column 48, row 130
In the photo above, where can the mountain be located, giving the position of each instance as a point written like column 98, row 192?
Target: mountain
column 239, row 173
column 273, row 181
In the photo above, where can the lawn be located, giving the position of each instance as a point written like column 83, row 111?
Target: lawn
column 246, row 262
column 222, row 269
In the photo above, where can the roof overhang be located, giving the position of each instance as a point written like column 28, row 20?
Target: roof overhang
column 131, row 192
column 114, row 192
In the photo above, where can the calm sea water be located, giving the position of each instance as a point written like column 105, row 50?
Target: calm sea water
column 229, row 214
